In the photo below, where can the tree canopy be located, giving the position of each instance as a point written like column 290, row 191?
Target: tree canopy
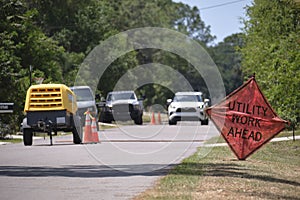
column 54, row 37
column 23, row 44
column 227, row 57
column 271, row 51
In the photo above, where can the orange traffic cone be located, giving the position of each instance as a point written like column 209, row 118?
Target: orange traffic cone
column 87, row 128
column 153, row 119
column 95, row 137
column 158, row 118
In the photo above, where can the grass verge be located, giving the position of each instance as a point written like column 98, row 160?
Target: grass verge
column 11, row 140
column 271, row 173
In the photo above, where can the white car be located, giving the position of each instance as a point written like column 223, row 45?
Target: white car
column 187, row 106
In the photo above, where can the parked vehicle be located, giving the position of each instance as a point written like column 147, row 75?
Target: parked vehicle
column 85, row 101
column 187, row 106
column 122, row 106
column 50, row 107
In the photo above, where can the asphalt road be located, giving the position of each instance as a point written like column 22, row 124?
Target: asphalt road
column 128, row 161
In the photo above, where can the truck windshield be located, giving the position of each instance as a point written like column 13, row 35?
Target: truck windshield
column 187, row 98
column 120, row 96
column 83, row 95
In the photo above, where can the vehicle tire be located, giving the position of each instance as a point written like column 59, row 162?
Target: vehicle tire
column 204, row 122
column 139, row 120
column 102, row 118
column 172, row 122
column 27, row 136
column 106, row 121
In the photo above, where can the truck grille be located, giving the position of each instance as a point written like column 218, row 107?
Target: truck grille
column 186, row 110
column 122, row 108
column 45, row 98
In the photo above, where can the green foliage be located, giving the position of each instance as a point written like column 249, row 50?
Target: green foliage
column 128, row 14
column 23, row 44
column 228, row 59
column 272, row 52
column 54, row 37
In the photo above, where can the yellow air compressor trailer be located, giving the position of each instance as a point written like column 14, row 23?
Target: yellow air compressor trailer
column 50, row 107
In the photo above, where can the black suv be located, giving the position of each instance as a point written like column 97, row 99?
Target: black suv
column 122, row 106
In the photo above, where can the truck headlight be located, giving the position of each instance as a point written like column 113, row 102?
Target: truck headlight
column 108, row 108
column 136, row 107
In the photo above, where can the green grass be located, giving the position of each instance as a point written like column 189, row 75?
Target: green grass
column 146, row 118
column 288, row 133
column 104, row 127
column 270, row 173
column 11, row 140
column 42, row 134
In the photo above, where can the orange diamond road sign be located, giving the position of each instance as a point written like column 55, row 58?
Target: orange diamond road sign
column 245, row 119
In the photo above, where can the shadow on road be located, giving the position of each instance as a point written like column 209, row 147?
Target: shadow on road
column 96, row 171
column 85, row 171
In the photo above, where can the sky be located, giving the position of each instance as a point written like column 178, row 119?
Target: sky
column 223, row 16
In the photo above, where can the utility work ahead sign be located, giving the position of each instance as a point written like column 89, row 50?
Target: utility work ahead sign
column 246, row 120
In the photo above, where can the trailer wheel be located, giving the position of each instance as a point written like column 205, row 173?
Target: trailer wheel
column 27, row 136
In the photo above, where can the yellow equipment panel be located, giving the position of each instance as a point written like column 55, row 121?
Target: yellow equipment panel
column 46, row 97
